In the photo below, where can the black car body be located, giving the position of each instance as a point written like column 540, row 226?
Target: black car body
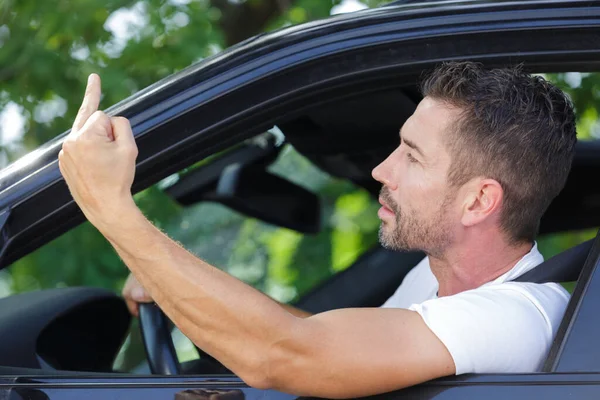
column 307, row 80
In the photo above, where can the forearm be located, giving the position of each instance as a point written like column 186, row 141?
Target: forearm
column 225, row 317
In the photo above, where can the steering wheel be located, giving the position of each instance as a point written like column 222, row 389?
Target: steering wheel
column 156, row 335
column 162, row 358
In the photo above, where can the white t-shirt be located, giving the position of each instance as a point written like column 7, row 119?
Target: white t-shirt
column 500, row 326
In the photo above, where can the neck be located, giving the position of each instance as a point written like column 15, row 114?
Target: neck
column 470, row 266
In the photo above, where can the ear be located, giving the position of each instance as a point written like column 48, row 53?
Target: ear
column 483, row 200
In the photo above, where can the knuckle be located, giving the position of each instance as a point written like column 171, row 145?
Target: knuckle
column 67, row 146
column 98, row 116
column 104, row 119
column 128, row 148
column 121, row 123
column 61, row 166
column 122, row 120
column 131, row 151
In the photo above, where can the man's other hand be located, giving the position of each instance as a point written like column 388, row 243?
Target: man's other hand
column 134, row 294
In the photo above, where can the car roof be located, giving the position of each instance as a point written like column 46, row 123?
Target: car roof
column 430, row 3
column 442, row 3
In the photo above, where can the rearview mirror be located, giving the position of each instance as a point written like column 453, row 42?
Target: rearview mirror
column 252, row 191
column 257, row 193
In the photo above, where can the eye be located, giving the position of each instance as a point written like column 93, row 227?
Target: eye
column 411, row 158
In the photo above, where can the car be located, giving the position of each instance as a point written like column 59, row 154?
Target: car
column 335, row 92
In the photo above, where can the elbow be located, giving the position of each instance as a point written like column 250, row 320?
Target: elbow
column 255, row 372
column 269, row 375
column 257, row 380
column 255, row 367
column 281, row 365
column 268, row 370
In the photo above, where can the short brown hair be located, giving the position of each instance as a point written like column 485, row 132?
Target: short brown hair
column 513, row 127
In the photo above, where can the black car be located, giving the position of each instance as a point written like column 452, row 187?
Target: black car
column 334, row 92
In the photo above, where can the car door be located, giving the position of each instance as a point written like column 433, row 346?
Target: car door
column 270, row 80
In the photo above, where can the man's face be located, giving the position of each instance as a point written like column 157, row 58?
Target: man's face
column 419, row 209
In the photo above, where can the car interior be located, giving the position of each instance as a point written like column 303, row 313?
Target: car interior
column 346, row 139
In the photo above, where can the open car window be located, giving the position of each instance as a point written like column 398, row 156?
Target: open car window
column 282, row 262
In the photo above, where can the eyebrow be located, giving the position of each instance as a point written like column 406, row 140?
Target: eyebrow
column 412, row 145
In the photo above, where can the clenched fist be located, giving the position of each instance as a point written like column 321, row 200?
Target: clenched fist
column 97, row 160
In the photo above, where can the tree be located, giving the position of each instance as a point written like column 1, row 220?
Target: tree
column 49, row 48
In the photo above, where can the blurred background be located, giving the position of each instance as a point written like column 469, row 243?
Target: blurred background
column 47, row 50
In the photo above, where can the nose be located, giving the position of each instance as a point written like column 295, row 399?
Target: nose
column 384, row 173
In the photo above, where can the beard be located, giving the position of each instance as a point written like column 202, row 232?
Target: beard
column 431, row 235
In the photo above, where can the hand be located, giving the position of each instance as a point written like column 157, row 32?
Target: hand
column 97, row 160
column 134, row 293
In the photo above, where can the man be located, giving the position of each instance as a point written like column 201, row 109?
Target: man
column 478, row 164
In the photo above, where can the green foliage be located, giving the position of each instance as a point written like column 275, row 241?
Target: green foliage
column 50, row 47
column 304, row 11
column 584, row 90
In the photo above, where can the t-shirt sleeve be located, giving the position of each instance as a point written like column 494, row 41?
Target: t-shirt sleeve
column 490, row 330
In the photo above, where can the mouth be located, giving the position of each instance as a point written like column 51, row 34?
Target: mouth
column 385, row 212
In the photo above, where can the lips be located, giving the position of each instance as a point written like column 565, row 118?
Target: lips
column 385, row 205
column 385, row 212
